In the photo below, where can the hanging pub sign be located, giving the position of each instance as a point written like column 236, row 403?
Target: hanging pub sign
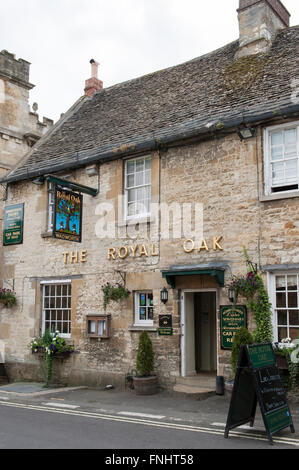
column 67, row 215
column 232, row 318
column 13, row 225
column 257, row 380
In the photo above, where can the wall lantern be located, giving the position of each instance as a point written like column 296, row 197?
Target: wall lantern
column 231, row 295
column 164, row 295
column 246, row 132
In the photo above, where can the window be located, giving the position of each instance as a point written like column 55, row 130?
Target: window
column 144, row 308
column 281, row 159
column 56, row 305
column 51, row 201
column 98, row 326
column 286, row 306
column 137, row 187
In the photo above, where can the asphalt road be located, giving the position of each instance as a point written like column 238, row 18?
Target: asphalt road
column 40, row 426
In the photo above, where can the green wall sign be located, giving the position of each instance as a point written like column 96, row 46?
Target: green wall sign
column 232, row 318
column 13, row 225
column 261, row 355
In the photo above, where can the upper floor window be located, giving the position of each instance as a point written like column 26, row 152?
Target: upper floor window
column 137, row 187
column 282, row 158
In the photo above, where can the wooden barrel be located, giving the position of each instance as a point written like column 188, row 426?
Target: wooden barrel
column 146, row 385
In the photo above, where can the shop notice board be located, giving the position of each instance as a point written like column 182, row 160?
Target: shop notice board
column 258, row 380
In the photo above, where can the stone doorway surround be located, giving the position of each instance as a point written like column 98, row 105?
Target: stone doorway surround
column 188, row 337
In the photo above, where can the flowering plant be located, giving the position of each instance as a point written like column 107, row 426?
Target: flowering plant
column 246, row 285
column 284, row 348
column 50, row 344
column 114, row 292
column 7, row 297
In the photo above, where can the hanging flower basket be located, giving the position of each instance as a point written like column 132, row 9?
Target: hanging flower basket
column 7, row 297
column 50, row 346
column 114, row 293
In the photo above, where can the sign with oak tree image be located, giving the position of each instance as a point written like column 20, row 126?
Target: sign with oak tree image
column 68, row 216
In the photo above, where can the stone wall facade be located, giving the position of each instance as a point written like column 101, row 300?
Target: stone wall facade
column 225, row 175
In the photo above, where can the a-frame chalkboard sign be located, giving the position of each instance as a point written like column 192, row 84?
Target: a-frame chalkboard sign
column 257, row 380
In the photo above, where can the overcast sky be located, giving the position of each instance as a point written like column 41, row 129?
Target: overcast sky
column 129, row 38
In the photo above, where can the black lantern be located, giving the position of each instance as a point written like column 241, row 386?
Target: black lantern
column 231, row 294
column 246, row 132
column 164, row 295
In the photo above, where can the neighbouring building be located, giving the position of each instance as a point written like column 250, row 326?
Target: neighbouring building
column 175, row 172
column 20, row 128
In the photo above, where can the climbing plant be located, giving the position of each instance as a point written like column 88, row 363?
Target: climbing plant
column 251, row 287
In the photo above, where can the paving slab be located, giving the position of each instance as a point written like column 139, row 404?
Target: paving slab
column 32, row 389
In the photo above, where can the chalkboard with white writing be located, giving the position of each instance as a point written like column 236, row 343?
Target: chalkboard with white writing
column 258, row 380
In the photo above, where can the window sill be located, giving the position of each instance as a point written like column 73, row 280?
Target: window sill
column 278, row 196
column 142, row 328
column 140, row 220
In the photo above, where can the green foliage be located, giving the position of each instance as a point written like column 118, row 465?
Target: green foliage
column 145, row 355
column 50, row 344
column 114, row 292
column 8, row 297
column 252, row 288
column 241, row 337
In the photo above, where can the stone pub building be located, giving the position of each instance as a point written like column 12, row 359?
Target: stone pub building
column 211, row 144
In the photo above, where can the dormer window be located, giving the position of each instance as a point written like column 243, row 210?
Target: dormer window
column 282, row 159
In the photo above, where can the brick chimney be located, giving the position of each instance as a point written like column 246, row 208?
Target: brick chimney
column 259, row 22
column 93, row 84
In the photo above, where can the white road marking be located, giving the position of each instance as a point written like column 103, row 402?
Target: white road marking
column 3, row 398
column 244, row 426
column 140, row 415
column 62, row 405
column 178, row 427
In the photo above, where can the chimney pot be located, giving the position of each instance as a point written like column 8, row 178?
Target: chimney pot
column 93, row 84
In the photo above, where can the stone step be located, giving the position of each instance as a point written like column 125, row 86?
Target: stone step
column 198, row 381
column 192, row 391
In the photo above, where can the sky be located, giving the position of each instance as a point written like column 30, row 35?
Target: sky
column 129, row 38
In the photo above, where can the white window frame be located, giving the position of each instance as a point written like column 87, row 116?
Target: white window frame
column 137, row 321
column 272, row 296
column 267, row 156
column 56, row 283
column 126, row 188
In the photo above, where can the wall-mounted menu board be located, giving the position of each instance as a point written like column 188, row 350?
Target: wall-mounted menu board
column 232, row 318
column 258, row 380
column 13, row 225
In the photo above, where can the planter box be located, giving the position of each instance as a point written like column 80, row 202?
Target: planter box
column 146, row 385
column 282, row 362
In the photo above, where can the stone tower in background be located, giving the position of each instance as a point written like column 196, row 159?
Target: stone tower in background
column 20, row 128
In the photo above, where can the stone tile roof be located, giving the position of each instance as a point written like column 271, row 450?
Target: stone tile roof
column 207, row 94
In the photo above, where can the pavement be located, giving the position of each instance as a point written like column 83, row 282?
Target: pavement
column 162, row 407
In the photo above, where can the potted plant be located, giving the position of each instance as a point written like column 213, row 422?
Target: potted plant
column 145, row 383
column 50, row 346
column 7, row 297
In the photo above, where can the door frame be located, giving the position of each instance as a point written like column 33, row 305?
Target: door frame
column 183, row 322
